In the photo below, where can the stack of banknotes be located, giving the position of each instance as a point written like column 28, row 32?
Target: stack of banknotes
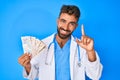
column 32, row 45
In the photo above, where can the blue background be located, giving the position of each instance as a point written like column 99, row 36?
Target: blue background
column 38, row 18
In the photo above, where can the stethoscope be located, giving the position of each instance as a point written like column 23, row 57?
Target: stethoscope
column 53, row 42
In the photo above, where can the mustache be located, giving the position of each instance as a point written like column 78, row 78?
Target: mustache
column 65, row 30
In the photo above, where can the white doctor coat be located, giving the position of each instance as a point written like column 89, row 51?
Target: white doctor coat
column 43, row 65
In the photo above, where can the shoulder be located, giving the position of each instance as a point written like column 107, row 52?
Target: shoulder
column 48, row 39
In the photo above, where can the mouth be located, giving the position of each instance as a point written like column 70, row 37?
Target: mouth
column 63, row 31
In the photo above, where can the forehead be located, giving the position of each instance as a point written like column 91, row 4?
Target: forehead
column 67, row 17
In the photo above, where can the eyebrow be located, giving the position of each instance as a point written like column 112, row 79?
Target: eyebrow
column 73, row 22
column 69, row 22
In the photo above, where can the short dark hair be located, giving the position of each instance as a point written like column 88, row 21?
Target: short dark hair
column 71, row 10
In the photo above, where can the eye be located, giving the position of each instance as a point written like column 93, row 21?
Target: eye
column 62, row 20
column 73, row 24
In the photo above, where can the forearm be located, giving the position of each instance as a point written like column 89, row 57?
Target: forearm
column 91, row 55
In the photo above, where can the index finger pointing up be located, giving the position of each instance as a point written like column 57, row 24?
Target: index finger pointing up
column 82, row 28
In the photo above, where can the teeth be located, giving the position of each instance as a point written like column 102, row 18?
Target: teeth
column 63, row 31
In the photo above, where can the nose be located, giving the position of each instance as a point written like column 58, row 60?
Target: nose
column 66, row 26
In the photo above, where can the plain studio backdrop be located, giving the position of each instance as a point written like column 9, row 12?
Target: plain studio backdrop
column 38, row 18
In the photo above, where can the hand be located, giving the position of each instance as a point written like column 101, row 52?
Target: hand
column 24, row 60
column 88, row 44
column 85, row 42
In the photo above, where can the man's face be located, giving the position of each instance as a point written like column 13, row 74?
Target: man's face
column 66, row 25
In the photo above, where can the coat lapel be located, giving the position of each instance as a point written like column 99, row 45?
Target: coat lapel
column 50, row 58
column 73, row 50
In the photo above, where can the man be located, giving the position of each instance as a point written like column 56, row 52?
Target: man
column 65, row 57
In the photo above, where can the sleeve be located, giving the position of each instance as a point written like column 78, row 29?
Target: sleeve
column 35, row 63
column 93, row 69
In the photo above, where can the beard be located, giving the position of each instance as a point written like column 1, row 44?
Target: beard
column 63, row 36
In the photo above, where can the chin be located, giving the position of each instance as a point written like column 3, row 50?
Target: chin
column 64, row 36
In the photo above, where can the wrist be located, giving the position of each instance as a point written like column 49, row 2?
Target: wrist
column 89, row 51
column 28, row 68
column 91, row 55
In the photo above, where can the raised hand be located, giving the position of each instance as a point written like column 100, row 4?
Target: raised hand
column 85, row 42
column 88, row 44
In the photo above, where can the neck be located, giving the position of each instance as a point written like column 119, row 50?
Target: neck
column 61, row 41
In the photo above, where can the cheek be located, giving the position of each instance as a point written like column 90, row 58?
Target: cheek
column 72, row 29
column 59, row 25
